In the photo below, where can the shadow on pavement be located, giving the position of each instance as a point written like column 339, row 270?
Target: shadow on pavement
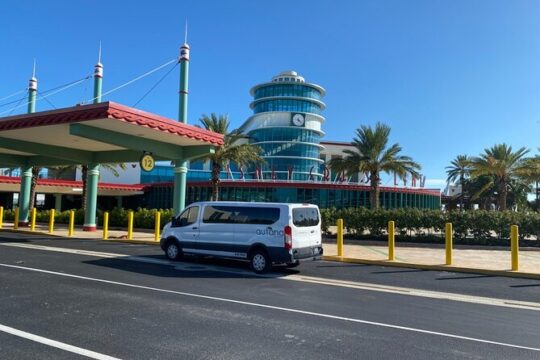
column 188, row 267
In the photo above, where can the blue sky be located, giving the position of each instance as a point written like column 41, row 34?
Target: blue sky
column 449, row 77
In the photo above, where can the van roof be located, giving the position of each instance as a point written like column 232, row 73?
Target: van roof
column 247, row 203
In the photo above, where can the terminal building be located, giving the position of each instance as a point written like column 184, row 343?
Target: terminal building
column 287, row 124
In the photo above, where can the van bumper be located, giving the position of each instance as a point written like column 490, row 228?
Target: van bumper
column 311, row 252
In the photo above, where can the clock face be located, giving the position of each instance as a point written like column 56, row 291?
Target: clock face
column 298, row 119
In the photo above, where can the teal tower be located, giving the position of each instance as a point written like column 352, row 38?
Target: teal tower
column 26, row 171
column 286, row 124
column 181, row 165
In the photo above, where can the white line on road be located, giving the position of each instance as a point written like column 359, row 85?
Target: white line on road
column 56, row 344
column 527, row 305
column 279, row 308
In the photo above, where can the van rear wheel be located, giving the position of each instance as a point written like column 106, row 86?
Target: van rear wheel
column 260, row 262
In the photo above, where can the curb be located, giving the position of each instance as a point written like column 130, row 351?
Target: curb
column 506, row 273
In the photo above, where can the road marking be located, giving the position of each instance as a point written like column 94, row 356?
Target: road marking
column 56, row 344
column 279, row 308
column 516, row 304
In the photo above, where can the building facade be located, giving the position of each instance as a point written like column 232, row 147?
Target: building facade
column 287, row 125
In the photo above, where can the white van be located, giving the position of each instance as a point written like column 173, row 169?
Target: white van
column 263, row 233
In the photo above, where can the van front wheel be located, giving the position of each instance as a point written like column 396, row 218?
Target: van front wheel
column 173, row 251
column 260, row 262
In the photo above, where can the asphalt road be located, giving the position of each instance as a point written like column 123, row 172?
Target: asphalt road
column 84, row 298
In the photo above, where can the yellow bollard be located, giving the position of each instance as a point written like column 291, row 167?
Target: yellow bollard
column 105, row 225
column 33, row 220
column 16, row 219
column 340, row 237
column 71, row 228
column 448, row 234
column 51, row 221
column 514, row 246
column 1, row 216
column 158, row 226
column 391, row 241
column 130, row 225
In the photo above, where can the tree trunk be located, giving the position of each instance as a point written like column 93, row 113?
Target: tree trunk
column 84, row 174
column 216, row 170
column 374, row 193
column 35, row 175
column 503, row 192
column 462, row 181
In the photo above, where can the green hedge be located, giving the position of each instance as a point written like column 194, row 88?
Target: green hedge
column 478, row 224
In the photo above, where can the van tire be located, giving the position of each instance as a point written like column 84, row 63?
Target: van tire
column 260, row 261
column 173, row 251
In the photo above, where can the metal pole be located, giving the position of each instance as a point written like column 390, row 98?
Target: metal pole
column 514, row 245
column 340, row 237
column 391, row 241
column 157, row 226
column 448, row 242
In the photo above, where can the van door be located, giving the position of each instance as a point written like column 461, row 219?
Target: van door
column 306, row 226
column 217, row 230
column 186, row 225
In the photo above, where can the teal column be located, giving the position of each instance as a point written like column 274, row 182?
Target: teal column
column 181, row 166
column 58, row 202
column 26, row 171
column 91, row 197
column 119, row 202
column 92, row 177
column 184, row 78
column 24, row 195
column 179, row 197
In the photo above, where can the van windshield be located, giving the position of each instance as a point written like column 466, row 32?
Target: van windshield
column 303, row 217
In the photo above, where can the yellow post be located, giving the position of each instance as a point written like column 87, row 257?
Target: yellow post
column 71, row 223
column 1, row 216
column 105, row 225
column 391, row 241
column 16, row 220
column 448, row 234
column 51, row 221
column 158, row 226
column 130, row 225
column 340, row 237
column 33, row 220
column 514, row 245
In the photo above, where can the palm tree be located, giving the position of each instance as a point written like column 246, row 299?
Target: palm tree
column 460, row 168
column 232, row 151
column 373, row 156
column 504, row 165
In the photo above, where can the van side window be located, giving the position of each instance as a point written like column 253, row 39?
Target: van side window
column 257, row 215
column 240, row 215
column 187, row 217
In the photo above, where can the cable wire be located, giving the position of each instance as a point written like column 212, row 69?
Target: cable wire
column 155, row 85
column 136, row 79
column 50, row 92
column 47, row 100
column 12, row 95
column 14, row 101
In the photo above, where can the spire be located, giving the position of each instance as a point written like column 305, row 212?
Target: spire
column 98, row 77
column 34, row 70
column 99, row 53
column 32, row 90
column 185, row 34
column 183, row 59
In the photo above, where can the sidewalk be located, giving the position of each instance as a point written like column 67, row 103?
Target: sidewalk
column 481, row 259
column 474, row 259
